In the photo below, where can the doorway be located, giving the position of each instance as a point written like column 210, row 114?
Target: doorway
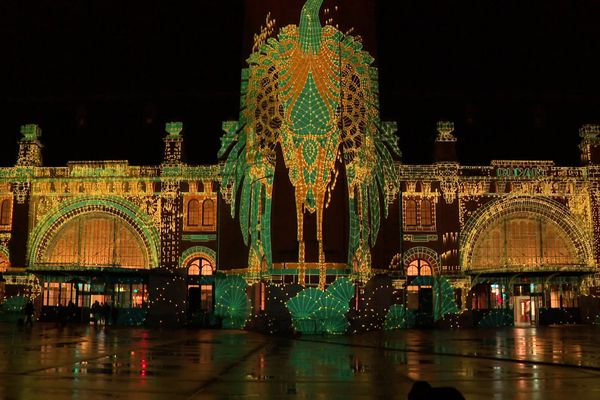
column 526, row 310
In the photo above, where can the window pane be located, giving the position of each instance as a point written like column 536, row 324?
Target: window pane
column 411, row 213
column 425, row 213
column 425, row 270
column 194, row 268
column 206, row 267
column 523, row 240
column 208, row 213
column 412, row 270
column 139, row 295
column 193, row 213
column 96, row 240
column 5, row 212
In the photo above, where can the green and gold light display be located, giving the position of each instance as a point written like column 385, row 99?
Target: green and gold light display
column 399, row 317
column 316, row 311
column 231, row 302
column 443, row 295
column 312, row 92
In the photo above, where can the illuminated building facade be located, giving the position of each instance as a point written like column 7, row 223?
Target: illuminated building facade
column 109, row 232
column 310, row 220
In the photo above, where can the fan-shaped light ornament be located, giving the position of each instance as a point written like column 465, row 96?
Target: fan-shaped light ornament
column 303, row 308
column 231, row 302
column 335, row 325
column 398, row 317
column 331, row 315
column 342, row 289
column 445, row 302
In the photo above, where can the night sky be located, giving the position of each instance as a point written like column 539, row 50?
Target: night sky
column 102, row 77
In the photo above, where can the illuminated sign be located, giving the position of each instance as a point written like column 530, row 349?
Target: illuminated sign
column 520, row 172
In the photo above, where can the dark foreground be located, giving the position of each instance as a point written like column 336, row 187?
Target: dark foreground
column 81, row 362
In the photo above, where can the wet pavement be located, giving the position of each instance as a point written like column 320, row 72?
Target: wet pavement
column 81, row 362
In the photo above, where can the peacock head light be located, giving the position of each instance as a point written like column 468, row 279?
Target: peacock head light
column 310, row 26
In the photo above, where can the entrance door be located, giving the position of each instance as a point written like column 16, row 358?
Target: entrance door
column 194, row 299
column 523, row 311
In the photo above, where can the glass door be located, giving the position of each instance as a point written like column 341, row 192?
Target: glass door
column 522, row 310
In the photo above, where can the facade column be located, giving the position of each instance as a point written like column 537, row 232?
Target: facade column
column 167, row 289
column 29, row 157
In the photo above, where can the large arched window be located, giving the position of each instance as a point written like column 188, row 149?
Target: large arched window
column 5, row 212
column 200, row 266
column 193, row 213
column 426, row 217
column 194, row 268
column 523, row 240
column 208, row 213
column 96, row 240
column 418, row 267
column 411, row 213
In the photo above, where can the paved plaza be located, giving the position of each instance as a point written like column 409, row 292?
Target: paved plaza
column 81, row 362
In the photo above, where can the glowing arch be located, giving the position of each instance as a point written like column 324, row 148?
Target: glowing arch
column 198, row 251
column 114, row 206
column 423, row 253
column 548, row 209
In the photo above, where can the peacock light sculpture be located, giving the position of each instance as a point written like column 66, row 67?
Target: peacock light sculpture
column 313, row 92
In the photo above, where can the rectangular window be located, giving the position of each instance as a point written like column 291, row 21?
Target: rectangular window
column 139, row 296
column 122, row 295
column 410, row 213
column 426, row 217
column 67, row 293
column 52, row 293
column 418, row 214
column 5, row 212
column 554, row 296
column 84, row 295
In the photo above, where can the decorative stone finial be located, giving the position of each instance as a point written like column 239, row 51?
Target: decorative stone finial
column 174, row 128
column 173, row 142
column 30, row 132
column 589, row 131
column 445, row 129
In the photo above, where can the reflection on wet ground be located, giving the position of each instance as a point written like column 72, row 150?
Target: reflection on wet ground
column 81, row 362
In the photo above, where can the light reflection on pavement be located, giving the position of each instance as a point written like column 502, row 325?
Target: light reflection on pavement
column 81, row 362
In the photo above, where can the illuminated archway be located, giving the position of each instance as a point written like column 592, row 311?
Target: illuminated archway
column 425, row 254
column 200, row 264
column 524, row 234
column 120, row 224
column 198, row 251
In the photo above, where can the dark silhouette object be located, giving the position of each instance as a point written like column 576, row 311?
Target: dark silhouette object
column 104, row 313
column 28, row 309
column 114, row 315
column 96, row 312
column 72, row 312
column 62, row 315
column 422, row 390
